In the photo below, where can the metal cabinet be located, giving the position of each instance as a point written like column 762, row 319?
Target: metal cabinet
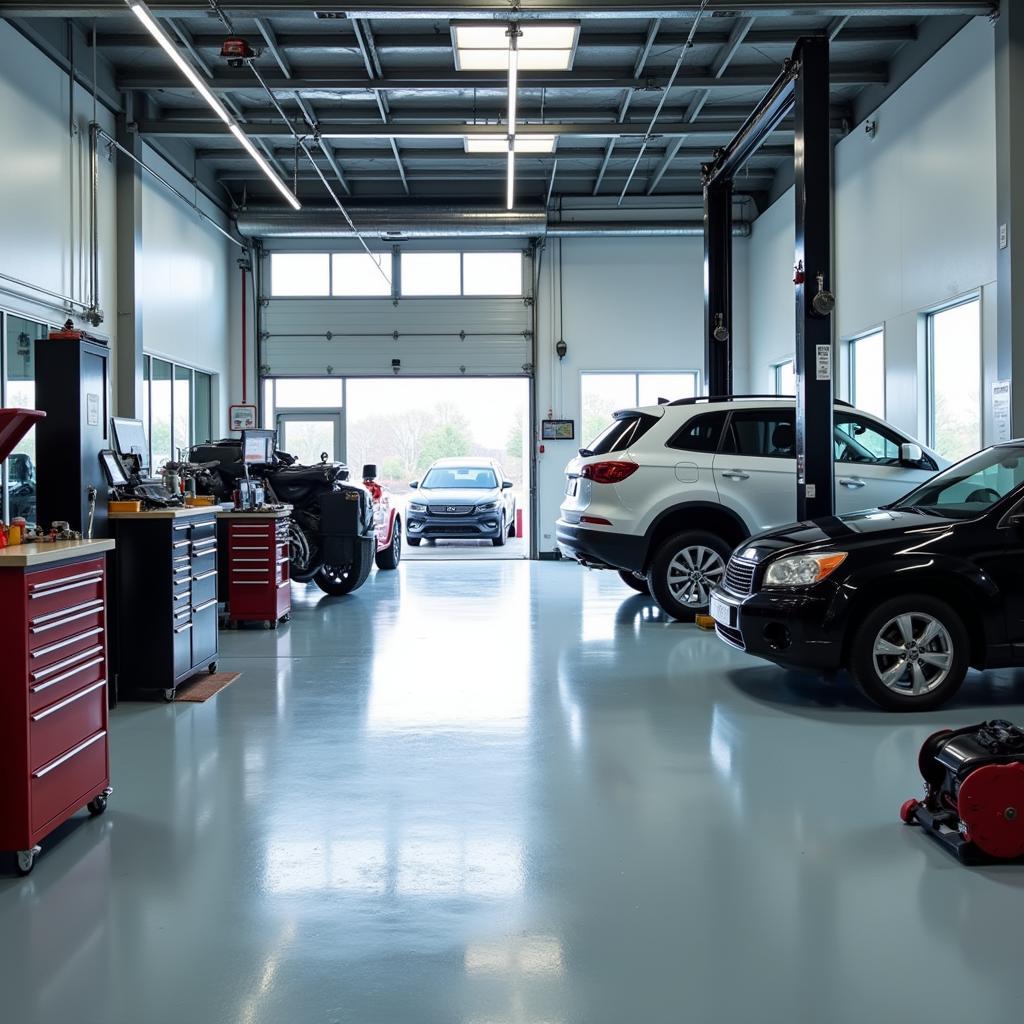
column 257, row 567
column 165, row 606
column 53, row 733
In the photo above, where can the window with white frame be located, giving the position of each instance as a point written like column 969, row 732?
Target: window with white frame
column 177, row 408
column 784, row 378
column 954, row 379
column 867, row 372
column 483, row 274
column 312, row 275
column 602, row 394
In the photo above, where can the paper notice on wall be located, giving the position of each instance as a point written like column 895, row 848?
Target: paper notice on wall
column 823, row 362
column 92, row 410
column 1001, row 411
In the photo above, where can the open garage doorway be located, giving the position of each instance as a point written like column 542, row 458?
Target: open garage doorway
column 405, row 425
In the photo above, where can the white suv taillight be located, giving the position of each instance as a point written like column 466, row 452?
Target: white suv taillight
column 608, row 472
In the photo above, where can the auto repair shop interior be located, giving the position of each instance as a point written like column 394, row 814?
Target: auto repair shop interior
column 511, row 511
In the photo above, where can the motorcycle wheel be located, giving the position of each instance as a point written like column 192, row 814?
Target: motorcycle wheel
column 341, row 580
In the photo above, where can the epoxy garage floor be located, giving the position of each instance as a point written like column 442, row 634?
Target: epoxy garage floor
column 493, row 792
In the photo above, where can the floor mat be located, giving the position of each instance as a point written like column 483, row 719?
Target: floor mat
column 206, row 686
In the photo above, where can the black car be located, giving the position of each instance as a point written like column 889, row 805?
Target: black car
column 907, row 597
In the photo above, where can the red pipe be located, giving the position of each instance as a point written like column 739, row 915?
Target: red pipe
column 245, row 357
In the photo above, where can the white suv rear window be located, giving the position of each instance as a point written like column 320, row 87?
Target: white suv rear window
column 621, row 433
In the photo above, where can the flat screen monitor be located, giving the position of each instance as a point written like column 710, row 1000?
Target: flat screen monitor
column 130, row 439
column 114, row 469
column 257, row 447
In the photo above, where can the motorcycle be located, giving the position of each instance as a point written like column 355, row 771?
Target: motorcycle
column 333, row 536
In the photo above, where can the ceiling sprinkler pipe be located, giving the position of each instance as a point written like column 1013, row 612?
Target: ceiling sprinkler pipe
column 394, row 224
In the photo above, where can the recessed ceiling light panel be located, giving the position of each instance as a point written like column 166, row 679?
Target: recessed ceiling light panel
column 547, row 46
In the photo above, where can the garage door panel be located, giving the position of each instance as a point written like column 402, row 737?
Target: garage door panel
column 435, row 337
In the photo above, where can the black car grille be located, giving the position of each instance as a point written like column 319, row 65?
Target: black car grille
column 739, row 577
column 451, row 510
column 731, row 636
column 444, row 529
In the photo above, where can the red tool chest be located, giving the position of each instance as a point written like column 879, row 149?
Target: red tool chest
column 53, row 733
column 258, row 568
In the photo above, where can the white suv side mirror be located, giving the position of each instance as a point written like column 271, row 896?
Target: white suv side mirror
column 911, row 453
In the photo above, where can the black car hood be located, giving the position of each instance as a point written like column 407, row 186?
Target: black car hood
column 856, row 529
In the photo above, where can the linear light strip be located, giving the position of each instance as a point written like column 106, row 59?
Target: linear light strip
column 146, row 17
column 513, row 85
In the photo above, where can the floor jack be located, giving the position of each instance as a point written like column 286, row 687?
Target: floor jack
column 974, row 792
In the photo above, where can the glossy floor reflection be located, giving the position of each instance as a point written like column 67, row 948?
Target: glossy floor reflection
column 508, row 793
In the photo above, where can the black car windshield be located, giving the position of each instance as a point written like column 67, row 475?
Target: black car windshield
column 461, row 478
column 969, row 488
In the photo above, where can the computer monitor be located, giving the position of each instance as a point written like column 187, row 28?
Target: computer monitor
column 257, row 447
column 130, row 439
column 116, row 475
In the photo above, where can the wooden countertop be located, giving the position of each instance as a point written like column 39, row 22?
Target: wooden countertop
column 167, row 513
column 282, row 513
column 23, row 556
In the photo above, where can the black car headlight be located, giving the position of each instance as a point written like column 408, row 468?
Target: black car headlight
column 803, row 570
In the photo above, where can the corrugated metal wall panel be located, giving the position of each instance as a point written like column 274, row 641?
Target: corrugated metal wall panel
column 436, row 337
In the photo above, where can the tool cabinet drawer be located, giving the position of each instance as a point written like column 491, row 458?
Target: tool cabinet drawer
column 66, row 779
column 57, row 728
column 204, row 586
column 52, row 627
column 64, row 652
column 54, row 590
column 205, row 529
column 204, row 557
column 58, row 685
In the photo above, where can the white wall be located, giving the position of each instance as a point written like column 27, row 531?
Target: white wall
column 44, row 223
column 631, row 304
column 185, row 290
column 44, row 184
column 915, row 225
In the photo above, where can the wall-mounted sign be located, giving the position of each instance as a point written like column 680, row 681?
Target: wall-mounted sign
column 1001, row 411
column 242, row 417
column 557, row 430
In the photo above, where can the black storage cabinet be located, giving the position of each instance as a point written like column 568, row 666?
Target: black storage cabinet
column 72, row 388
column 165, row 602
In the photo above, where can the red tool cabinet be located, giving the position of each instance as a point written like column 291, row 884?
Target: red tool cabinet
column 53, row 731
column 257, row 567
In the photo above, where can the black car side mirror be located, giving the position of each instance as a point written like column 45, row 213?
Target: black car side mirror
column 506, row 485
column 414, row 484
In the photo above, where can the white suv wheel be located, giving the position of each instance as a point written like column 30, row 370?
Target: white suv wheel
column 684, row 571
column 693, row 573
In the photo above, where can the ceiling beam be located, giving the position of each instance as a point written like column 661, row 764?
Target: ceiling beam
column 431, row 80
column 488, row 9
column 589, row 39
column 723, row 58
column 273, row 46
column 539, row 174
column 196, row 129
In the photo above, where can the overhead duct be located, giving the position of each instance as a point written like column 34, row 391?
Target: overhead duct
column 396, row 223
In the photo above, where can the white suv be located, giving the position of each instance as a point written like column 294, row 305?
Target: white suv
column 666, row 492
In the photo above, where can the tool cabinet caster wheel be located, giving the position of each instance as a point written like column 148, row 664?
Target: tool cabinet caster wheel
column 287, row 617
column 97, row 805
column 212, row 667
column 267, row 624
column 907, row 811
column 169, row 695
column 27, row 860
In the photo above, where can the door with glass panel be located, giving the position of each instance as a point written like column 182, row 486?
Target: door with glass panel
column 311, row 436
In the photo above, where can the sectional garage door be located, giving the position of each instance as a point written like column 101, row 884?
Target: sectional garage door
column 439, row 337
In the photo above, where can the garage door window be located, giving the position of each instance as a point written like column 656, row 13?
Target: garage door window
column 954, row 379
column 359, row 275
column 478, row 274
column 431, row 273
column 300, row 274
column 492, row 273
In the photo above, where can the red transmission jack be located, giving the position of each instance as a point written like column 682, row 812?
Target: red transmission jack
column 974, row 791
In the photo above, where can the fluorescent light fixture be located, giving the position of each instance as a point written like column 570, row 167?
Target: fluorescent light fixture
column 142, row 12
column 510, row 188
column 513, row 88
column 499, row 143
column 265, row 167
column 543, row 46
